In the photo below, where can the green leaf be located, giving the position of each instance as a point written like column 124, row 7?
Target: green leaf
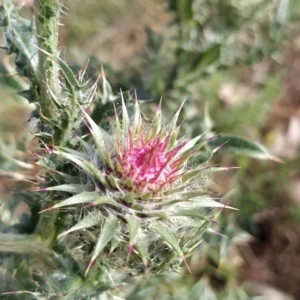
column 71, row 188
column 202, row 173
column 83, row 164
column 114, row 243
column 73, row 152
column 90, row 220
column 171, row 126
column 208, row 202
column 136, row 121
column 156, row 122
column 65, row 69
column 125, row 120
column 107, row 93
column 209, row 56
column 82, row 198
column 201, row 158
column 193, row 193
column 167, row 203
column 157, row 214
column 113, row 181
column 141, row 244
column 240, row 146
column 134, row 224
column 101, row 138
column 197, row 208
column 162, row 230
column 188, row 146
column 19, row 39
column 190, row 213
column 184, row 9
column 196, row 204
column 108, row 231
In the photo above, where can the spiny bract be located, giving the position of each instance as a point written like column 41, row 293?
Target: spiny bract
column 139, row 202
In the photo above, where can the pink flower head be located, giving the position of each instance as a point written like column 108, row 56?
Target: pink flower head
column 148, row 164
column 140, row 192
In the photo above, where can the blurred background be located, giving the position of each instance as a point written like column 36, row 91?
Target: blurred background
column 239, row 59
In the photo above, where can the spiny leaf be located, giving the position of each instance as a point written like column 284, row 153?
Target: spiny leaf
column 55, row 99
column 71, row 188
column 20, row 39
column 170, row 202
column 240, row 146
column 199, row 193
column 190, row 213
column 157, row 121
column 134, row 224
column 209, row 202
column 71, row 80
column 72, row 151
column 107, row 232
column 107, row 95
column 100, row 138
column 162, row 230
column 82, row 198
column 177, row 189
column 114, row 243
column 83, row 164
column 90, row 220
column 136, row 122
column 201, row 158
column 113, row 181
column 173, row 138
column 141, row 244
column 172, row 124
column 156, row 214
column 89, row 94
column 200, row 173
column 105, row 200
column 189, row 145
column 125, row 120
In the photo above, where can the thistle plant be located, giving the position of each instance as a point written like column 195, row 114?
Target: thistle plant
column 115, row 202
column 140, row 193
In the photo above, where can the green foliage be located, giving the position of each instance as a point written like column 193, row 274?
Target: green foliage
column 20, row 39
column 239, row 146
column 91, row 230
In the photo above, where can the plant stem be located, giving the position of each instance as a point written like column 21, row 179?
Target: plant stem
column 46, row 22
column 46, row 14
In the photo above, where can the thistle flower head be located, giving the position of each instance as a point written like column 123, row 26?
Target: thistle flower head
column 140, row 197
column 147, row 164
column 145, row 160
